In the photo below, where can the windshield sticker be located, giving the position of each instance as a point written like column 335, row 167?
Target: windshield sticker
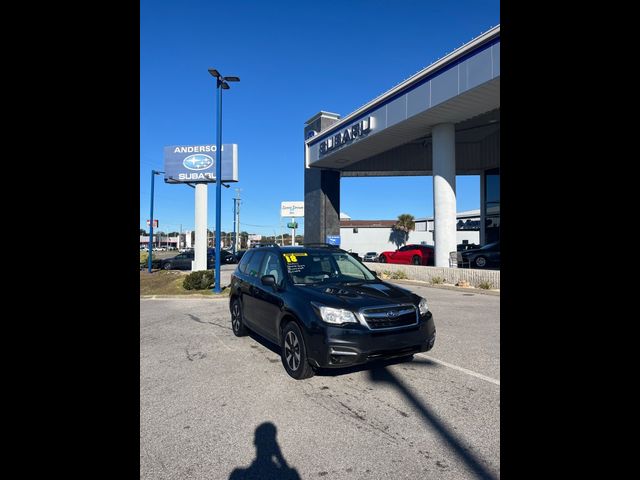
column 292, row 258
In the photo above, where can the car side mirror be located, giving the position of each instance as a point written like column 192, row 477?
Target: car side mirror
column 268, row 280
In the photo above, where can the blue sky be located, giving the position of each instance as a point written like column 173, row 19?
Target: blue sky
column 294, row 59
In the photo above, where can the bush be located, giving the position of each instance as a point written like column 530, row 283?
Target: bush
column 437, row 280
column 485, row 285
column 144, row 259
column 201, row 280
column 399, row 275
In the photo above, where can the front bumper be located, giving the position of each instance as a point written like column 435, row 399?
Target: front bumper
column 346, row 346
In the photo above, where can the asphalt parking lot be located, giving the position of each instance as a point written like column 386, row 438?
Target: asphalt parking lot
column 213, row 406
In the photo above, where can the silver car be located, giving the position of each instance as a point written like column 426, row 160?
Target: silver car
column 370, row 257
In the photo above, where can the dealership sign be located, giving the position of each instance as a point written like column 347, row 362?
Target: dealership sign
column 197, row 163
column 359, row 129
column 292, row 209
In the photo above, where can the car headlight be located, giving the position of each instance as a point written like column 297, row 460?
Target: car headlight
column 335, row 316
column 423, row 307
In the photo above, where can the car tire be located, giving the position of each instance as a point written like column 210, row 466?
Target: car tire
column 294, row 353
column 416, row 260
column 480, row 262
column 237, row 323
column 383, row 259
column 167, row 266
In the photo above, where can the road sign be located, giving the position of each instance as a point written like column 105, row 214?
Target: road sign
column 155, row 223
column 292, row 225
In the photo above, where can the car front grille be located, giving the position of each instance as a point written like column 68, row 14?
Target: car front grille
column 393, row 316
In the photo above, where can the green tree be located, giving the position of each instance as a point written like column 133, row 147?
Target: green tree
column 143, row 232
column 400, row 231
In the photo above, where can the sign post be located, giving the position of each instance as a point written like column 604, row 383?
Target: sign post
column 196, row 164
column 292, row 210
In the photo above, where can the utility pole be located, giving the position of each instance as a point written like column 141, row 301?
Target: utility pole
column 236, row 219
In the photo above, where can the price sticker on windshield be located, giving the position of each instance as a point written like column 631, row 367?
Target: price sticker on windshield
column 293, row 257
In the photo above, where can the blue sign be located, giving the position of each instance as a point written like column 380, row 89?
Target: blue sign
column 333, row 240
column 197, row 163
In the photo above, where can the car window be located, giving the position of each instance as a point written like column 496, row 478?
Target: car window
column 306, row 268
column 253, row 268
column 405, row 248
column 271, row 266
column 181, row 256
column 244, row 261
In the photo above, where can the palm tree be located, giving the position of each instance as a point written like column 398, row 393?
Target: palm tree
column 405, row 224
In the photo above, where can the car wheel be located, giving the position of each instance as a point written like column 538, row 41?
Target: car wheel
column 416, row 260
column 167, row 266
column 480, row 262
column 294, row 353
column 383, row 259
column 237, row 325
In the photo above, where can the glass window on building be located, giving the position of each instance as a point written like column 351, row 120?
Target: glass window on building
column 492, row 205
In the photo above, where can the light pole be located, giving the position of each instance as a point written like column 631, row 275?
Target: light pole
column 153, row 176
column 221, row 84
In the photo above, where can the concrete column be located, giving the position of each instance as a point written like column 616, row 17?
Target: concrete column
column 483, row 207
column 444, row 191
column 321, row 204
column 200, row 248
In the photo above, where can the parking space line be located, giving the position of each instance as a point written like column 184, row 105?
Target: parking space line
column 462, row 369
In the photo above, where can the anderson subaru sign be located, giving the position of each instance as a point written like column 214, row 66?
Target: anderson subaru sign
column 197, row 163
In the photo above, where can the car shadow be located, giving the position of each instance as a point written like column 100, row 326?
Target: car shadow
column 382, row 375
column 269, row 463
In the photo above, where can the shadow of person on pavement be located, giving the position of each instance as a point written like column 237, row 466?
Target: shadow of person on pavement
column 269, row 463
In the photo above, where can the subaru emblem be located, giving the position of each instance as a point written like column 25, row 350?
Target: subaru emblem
column 198, row 162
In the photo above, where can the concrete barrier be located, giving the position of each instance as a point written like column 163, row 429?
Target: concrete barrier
column 450, row 275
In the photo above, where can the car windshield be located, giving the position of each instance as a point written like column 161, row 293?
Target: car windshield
column 308, row 268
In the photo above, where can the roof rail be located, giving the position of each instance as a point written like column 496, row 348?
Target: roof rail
column 320, row 245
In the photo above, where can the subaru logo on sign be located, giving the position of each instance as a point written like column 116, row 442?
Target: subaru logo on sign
column 198, row 162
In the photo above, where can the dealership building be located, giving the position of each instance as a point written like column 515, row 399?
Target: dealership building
column 362, row 236
column 441, row 122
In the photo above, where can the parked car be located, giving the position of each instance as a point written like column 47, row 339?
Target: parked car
column 325, row 309
column 239, row 254
column 227, row 256
column 371, row 257
column 486, row 256
column 461, row 247
column 410, row 255
column 182, row 261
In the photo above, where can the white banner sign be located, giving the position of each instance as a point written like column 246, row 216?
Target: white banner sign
column 292, row 209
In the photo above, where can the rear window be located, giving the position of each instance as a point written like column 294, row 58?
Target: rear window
column 244, row 261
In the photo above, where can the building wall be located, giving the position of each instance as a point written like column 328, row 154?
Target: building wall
column 377, row 239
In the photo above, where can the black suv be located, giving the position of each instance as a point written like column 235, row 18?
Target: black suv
column 325, row 309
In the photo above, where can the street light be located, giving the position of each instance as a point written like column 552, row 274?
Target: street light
column 153, row 176
column 221, row 84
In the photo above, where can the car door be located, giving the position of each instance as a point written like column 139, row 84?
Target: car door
column 180, row 261
column 266, row 299
column 403, row 255
column 250, row 279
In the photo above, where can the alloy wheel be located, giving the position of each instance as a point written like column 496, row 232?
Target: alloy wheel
column 292, row 350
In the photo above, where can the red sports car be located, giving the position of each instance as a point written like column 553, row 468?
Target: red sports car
column 410, row 255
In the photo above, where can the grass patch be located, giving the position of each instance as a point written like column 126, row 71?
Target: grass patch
column 170, row 282
column 485, row 285
column 436, row 280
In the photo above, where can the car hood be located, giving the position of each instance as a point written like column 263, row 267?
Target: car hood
column 356, row 295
